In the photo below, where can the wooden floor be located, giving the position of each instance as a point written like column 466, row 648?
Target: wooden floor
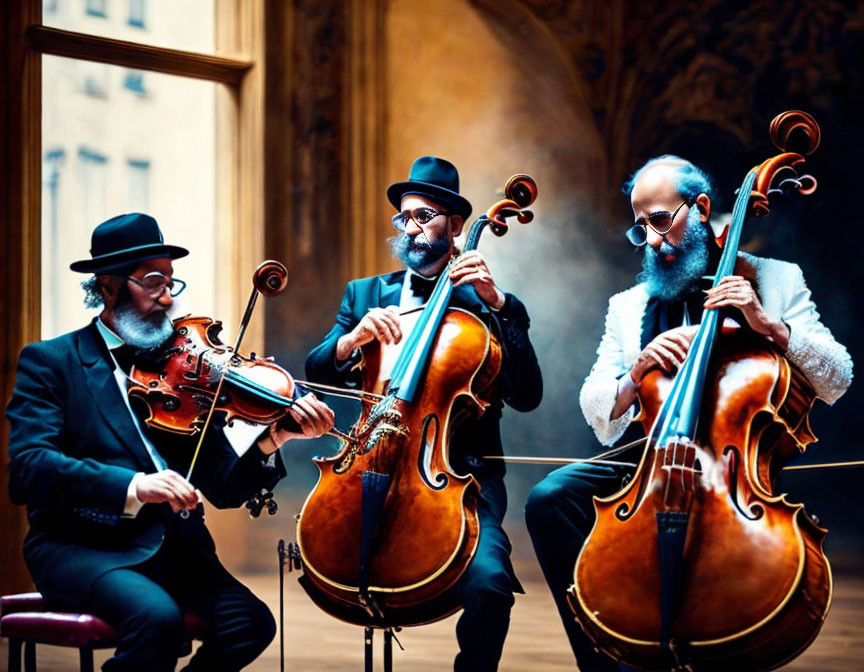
column 536, row 642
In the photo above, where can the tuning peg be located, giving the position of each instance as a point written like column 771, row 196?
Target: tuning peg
column 789, row 183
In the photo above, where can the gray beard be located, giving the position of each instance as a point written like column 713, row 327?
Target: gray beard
column 139, row 332
column 669, row 281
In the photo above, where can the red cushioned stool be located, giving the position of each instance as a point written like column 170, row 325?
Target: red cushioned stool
column 24, row 621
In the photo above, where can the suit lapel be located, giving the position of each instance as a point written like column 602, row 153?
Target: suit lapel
column 464, row 296
column 390, row 289
column 102, row 386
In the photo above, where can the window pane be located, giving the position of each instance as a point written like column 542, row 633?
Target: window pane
column 138, row 171
column 186, row 25
column 117, row 152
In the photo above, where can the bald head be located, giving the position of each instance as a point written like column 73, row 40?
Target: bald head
column 656, row 184
column 689, row 180
column 663, row 184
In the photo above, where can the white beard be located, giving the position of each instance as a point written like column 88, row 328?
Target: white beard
column 140, row 332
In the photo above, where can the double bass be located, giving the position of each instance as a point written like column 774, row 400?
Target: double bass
column 697, row 564
column 390, row 526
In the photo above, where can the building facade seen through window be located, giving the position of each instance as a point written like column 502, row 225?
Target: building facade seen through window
column 113, row 146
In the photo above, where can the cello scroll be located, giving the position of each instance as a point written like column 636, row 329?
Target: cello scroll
column 795, row 133
column 520, row 192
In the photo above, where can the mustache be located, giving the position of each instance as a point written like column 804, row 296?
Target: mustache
column 158, row 316
column 663, row 249
column 419, row 243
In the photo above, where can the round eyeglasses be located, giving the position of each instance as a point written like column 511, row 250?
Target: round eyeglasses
column 420, row 215
column 155, row 283
column 661, row 222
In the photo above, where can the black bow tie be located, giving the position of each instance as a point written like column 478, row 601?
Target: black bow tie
column 421, row 286
column 125, row 356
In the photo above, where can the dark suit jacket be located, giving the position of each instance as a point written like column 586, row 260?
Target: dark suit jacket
column 520, row 381
column 74, row 449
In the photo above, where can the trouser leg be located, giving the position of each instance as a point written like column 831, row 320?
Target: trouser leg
column 148, row 618
column 239, row 625
column 486, row 588
column 559, row 514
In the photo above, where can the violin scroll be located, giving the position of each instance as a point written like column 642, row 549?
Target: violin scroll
column 270, row 278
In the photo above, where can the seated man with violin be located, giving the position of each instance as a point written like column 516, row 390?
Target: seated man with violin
column 115, row 529
column 651, row 325
column 431, row 213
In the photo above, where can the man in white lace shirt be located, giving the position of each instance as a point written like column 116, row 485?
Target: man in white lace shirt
column 650, row 325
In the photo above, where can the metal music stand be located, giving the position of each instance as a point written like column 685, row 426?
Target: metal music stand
column 289, row 554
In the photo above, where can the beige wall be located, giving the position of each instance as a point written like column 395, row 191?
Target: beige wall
column 460, row 88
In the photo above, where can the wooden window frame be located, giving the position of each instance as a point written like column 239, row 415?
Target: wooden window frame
column 239, row 235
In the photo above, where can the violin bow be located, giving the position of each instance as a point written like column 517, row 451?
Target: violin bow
column 602, row 458
column 269, row 279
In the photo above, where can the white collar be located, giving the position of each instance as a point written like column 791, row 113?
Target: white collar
column 112, row 340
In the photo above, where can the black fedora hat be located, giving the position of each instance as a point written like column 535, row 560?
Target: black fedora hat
column 433, row 177
column 125, row 240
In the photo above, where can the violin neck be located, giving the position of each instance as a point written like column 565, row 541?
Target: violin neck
column 680, row 413
column 241, row 382
column 726, row 266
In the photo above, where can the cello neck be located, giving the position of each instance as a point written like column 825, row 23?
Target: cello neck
column 410, row 366
column 680, row 414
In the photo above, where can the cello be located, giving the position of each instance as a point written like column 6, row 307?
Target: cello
column 712, row 570
column 390, row 526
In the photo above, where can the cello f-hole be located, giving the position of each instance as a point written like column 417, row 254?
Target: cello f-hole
column 731, row 452
column 428, row 439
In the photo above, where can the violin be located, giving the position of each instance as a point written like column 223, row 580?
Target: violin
column 195, row 375
column 390, row 526
column 697, row 563
column 197, row 371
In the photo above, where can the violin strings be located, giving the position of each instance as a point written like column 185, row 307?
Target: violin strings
column 368, row 397
column 244, row 383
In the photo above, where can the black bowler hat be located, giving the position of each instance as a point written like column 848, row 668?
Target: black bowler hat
column 433, row 177
column 124, row 240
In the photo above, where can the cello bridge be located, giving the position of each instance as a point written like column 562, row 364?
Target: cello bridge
column 386, row 424
column 384, row 429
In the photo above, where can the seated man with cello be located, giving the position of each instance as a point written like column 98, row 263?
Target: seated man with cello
column 431, row 213
column 114, row 529
column 651, row 325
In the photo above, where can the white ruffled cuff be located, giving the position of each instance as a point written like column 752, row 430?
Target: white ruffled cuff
column 597, row 401
column 825, row 362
